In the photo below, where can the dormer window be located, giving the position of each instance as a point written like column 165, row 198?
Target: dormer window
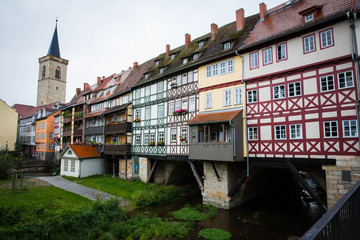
column 147, row 75
column 185, row 60
column 195, row 56
column 162, row 70
column 201, row 43
column 172, row 56
column 309, row 17
column 227, row 45
column 157, row 62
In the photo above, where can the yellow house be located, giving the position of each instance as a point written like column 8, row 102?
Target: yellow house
column 8, row 129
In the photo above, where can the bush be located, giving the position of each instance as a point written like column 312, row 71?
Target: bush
column 188, row 213
column 214, row 234
column 6, row 163
column 156, row 195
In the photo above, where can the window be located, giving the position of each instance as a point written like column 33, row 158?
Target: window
column 350, row 128
column 327, row 83
column 160, row 111
column 295, row 131
column 309, row 17
column 190, row 77
column 38, row 135
column 326, row 38
column 137, row 114
column 185, row 61
column 237, row 95
column 208, row 71
column 43, row 145
column 195, row 56
column 294, row 89
column 201, row 43
column 227, row 97
column 184, row 104
column 38, row 146
column 184, row 133
column 66, row 165
column 161, row 137
column 157, row 62
column 309, row 44
column 137, row 93
column 178, row 80
column 72, row 166
column 192, row 104
column 160, row 87
column 254, row 60
column 58, row 73
column 43, row 72
column 146, row 139
column 279, row 91
column 173, row 135
column 280, row 132
column 147, row 91
column 51, row 146
column 137, row 139
column 227, row 45
column 330, row 129
column 172, row 57
column 184, row 78
column 345, row 79
column 230, row 65
column 43, row 125
column 267, row 56
column 281, row 52
column 147, row 113
column 222, row 68
column 51, row 135
column 177, row 105
column 252, row 96
column 171, row 108
column 38, row 126
column 152, row 138
column 253, row 133
column 208, row 100
column 125, row 99
column 214, row 70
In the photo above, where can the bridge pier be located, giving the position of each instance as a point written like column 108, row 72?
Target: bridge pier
column 341, row 177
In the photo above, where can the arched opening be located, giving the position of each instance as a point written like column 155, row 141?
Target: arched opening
column 58, row 73
column 43, row 72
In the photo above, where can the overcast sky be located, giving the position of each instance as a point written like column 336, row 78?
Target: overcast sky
column 99, row 38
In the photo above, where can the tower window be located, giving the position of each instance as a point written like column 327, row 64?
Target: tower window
column 58, row 73
column 57, row 88
column 43, row 72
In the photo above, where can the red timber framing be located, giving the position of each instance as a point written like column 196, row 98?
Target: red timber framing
column 312, row 109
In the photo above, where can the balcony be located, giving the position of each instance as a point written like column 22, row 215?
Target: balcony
column 117, row 149
column 78, row 132
column 216, row 151
column 66, row 133
column 118, row 128
column 94, row 130
column 67, row 119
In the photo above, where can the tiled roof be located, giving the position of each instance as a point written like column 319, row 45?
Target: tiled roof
column 117, row 108
column 24, row 110
column 214, row 117
column 94, row 114
column 211, row 51
column 286, row 18
column 84, row 151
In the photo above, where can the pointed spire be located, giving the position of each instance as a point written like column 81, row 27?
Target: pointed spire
column 54, row 45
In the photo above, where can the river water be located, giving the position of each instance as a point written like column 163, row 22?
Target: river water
column 280, row 215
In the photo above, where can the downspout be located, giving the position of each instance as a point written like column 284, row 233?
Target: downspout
column 245, row 108
column 354, row 54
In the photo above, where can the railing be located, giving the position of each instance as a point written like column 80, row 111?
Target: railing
column 78, row 132
column 118, row 128
column 219, row 151
column 122, row 149
column 67, row 119
column 67, row 133
column 94, row 130
column 341, row 221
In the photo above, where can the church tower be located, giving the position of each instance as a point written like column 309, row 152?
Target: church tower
column 52, row 75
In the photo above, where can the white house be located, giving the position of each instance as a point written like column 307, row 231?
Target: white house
column 80, row 161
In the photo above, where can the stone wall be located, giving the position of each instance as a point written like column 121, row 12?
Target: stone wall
column 340, row 178
column 122, row 168
column 144, row 168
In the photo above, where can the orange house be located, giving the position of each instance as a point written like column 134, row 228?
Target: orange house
column 44, row 137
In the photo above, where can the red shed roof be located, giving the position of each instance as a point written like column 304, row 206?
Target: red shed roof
column 84, row 151
column 214, row 117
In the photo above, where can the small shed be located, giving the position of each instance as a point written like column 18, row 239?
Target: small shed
column 80, row 161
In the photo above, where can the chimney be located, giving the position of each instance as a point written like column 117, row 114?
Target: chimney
column 263, row 10
column 86, row 86
column 167, row 49
column 103, row 77
column 187, row 40
column 135, row 65
column 130, row 68
column 98, row 80
column 78, row 90
column 240, row 19
column 214, row 31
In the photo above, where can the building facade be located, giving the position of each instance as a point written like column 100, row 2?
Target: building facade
column 9, row 123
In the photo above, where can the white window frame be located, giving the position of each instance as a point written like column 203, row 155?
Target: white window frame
column 222, row 67
column 148, row 113
column 191, row 104
column 177, row 105
column 125, row 99
column 267, row 56
column 283, row 52
column 309, row 17
column 147, row 91
column 326, row 81
column 253, row 133
column 298, row 131
column 254, row 60
column 309, row 44
column 173, row 135
column 146, row 139
column 230, row 65
column 227, row 45
column 326, row 38
column 190, row 77
column 237, row 95
column 346, row 82
column 137, row 139
column 279, row 92
column 280, row 132
column 160, row 86
column 252, row 96
column 348, row 130
column 208, row 71
column 208, row 100
column 294, row 89
column 161, row 111
column 331, row 125
column 227, row 97
column 161, row 137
